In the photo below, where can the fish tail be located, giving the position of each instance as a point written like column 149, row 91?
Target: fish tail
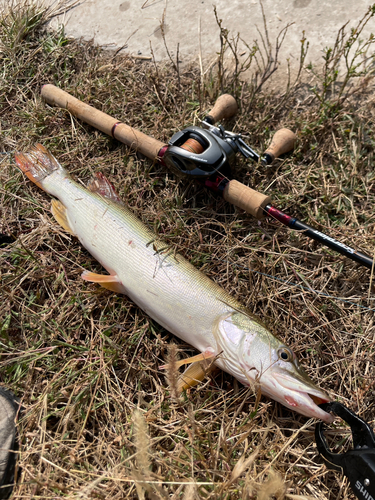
column 38, row 164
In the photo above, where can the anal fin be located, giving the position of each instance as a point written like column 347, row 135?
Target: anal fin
column 108, row 281
column 59, row 213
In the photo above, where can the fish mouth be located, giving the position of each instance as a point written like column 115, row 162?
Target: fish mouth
column 318, row 400
column 319, row 413
column 304, row 397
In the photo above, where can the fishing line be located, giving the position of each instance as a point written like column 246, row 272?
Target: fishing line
column 305, row 288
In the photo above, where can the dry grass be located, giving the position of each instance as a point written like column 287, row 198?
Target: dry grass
column 98, row 420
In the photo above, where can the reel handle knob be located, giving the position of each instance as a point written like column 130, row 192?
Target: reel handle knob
column 224, row 107
column 246, row 198
column 283, row 141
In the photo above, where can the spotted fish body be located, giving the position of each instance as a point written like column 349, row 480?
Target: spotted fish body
column 169, row 289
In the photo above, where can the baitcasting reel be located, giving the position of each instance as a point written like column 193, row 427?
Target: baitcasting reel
column 201, row 153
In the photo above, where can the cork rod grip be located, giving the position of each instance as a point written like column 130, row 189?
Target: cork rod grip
column 224, row 107
column 283, row 141
column 246, row 198
column 131, row 137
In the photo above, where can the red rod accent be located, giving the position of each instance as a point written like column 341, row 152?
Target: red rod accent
column 161, row 153
column 217, row 185
column 274, row 212
column 114, row 128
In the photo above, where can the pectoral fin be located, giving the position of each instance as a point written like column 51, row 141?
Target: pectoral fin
column 200, row 366
column 199, row 357
column 111, row 282
column 194, row 374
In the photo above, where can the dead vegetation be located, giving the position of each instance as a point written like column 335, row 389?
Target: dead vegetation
column 98, row 418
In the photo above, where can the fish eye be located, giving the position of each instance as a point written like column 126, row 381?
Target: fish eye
column 285, row 354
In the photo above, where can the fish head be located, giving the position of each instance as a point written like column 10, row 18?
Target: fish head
column 288, row 383
column 256, row 357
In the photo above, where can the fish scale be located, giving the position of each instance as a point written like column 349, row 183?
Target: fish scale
column 172, row 291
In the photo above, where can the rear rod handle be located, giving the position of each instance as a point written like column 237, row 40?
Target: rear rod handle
column 328, row 241
column 133, row 138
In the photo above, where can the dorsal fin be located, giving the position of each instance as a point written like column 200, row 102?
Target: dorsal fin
column 101, row 185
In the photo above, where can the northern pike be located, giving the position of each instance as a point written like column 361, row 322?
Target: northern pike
column 170, row 290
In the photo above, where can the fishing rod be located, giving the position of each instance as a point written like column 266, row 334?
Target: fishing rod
column 206, row 154
column 283, row 141
column 217, row 155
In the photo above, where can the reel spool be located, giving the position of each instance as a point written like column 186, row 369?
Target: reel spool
column 198, row 153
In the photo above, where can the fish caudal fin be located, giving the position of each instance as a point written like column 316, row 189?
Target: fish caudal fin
column 37, row 164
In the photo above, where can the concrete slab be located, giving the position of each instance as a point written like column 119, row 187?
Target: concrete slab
column 136, row 24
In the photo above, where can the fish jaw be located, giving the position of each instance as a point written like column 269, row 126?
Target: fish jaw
column 254, row 356
column 296, row 393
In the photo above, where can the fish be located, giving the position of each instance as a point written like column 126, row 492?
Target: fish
column 170, row 290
